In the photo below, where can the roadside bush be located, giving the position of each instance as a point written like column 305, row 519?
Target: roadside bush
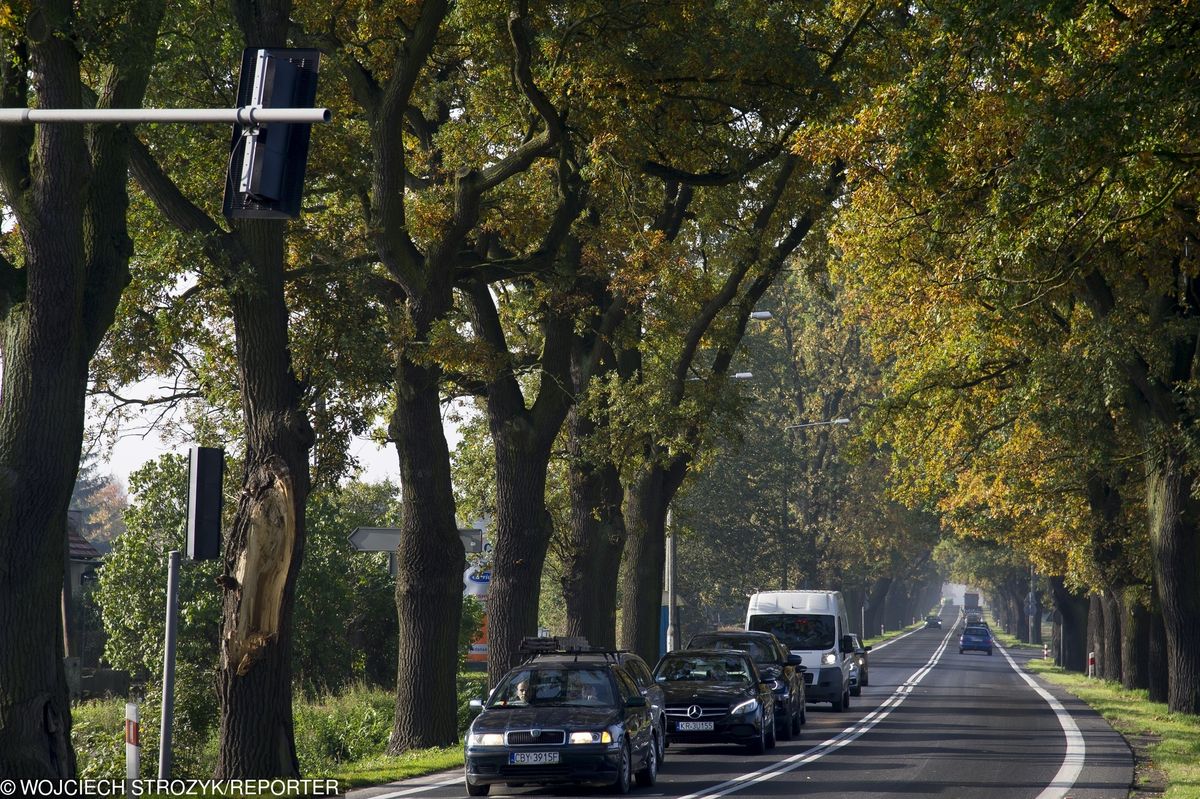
column 338, row 729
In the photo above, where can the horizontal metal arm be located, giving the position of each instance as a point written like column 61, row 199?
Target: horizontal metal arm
column 247, row 115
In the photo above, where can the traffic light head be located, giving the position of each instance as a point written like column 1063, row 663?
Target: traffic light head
column 267, row 161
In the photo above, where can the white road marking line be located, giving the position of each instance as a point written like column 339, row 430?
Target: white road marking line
column 1076, row 752
column 419, row 789
column 847, row 735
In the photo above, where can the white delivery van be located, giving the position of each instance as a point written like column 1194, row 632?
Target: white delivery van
column 815, row 626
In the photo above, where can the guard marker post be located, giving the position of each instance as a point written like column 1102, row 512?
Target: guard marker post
column 1091, row 664
column 133, row 744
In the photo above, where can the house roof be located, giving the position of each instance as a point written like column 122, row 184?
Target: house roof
column 80, row 548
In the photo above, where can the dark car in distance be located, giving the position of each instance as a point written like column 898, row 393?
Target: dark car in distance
column 559, row 721
column 862, row 665
column 778, row 667
column 975, row 638
column 716, row 696
column 933, row 621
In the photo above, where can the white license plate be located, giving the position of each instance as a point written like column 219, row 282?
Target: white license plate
column 694, row 726
column 532, row 758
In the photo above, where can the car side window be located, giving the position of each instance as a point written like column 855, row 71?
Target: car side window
column 626, row 684
column 641, row 673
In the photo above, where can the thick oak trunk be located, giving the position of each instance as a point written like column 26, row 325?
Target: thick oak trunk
column 1176, row 544
column 41, row 430
column 876, row 598
column 265, row 546
column 1073, row 625
column 1135, row 637
column 523, row 529
column 642, row 568
column 597, row 537
column 1110, row 636
column 430, row 565
column 1158, row 680
column 1095, row 630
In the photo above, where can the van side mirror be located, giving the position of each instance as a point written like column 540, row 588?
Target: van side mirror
column 847, row 643
column 866, row 649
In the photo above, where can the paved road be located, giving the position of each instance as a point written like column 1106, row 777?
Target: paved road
column 932, row 723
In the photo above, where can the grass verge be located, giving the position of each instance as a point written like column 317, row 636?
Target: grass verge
column 381, row 769
column 890, row 634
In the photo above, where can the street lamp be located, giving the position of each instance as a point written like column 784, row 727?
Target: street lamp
column 787, row 480
column 761, row 316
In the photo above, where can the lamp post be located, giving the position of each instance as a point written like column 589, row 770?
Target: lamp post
column 787, row 479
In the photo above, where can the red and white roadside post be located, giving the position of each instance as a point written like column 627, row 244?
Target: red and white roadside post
column 133, row 743
column 1091, row 664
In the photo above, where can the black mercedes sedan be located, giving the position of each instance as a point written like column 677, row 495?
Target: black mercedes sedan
column 716, row 696
column 778, row 668
column 563, row 722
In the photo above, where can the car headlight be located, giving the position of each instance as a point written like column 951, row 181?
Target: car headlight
column 591, row 737
column 485, row 739
column 745, row 707
column 860, row 661
column 828, row 659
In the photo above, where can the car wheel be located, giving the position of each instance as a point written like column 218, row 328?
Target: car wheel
column 622, row 783
column 989, row 653
column 803, row 717
column 760, row 746
column 839, row 704
column 771, row 738
column 476, row 790
column 785, row 732
column 660, row 741
column 846, row 700
column 960, row 650
column 648, row 774
column 856, row 691
column 864, row 682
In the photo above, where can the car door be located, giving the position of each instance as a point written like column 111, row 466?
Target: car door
column 793, row 675
column 637, row 719
column 653, row 692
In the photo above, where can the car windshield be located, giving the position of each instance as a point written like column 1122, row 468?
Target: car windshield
column 758, row 650
column 797, row 631
column 977, row 631
column 554, row 686
column 703, row 668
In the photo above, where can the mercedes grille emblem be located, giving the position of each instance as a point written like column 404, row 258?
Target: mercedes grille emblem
column 694, row 712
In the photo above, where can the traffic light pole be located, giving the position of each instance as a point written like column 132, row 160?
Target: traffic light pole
column 246, row 115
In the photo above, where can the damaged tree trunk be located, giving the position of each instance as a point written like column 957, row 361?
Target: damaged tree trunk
column 265, row 546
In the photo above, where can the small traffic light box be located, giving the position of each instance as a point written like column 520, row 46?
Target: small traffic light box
column 206, row 467
column 267, row 161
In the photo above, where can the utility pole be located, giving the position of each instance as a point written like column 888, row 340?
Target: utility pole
column 672, row 613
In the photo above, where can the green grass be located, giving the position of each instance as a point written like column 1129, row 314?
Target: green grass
column 1177, row 751
column 381, row 769
column 890, row 634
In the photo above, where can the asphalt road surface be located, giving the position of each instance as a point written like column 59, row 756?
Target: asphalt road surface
column 931, row 723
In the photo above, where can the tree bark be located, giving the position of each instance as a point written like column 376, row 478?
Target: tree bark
column 1158, row 679
column 1135, row 637
column 66, row 187
column 430, row 566
column 1111, row 636
column 876, row 598
column 597, row 538
column 1095, row 631
column 265, row 547
column 1176, row 545
column 642, row 567
column 1073, row 612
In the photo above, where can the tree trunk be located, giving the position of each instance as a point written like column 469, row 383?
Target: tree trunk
column 876, row 598
column 1135, row 637
column 1111, row 636
column 1095, row 630
column 523, row 530
column 430, row 566
column 642, row 567
column 65, row 186
column 1158, row 680
column 1176, row 546
column 265, row 548
column 1073, row 612
column 597, row 537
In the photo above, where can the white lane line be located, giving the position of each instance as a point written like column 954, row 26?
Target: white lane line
column 891, row 641
column 420, row 788
column 847, row 735
column 1076, row 752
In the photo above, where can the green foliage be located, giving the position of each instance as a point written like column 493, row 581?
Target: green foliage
column 131, row 595
column 470, row 626
column 345, row 617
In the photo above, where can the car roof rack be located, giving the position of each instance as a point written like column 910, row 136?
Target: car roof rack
column 535, row 646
